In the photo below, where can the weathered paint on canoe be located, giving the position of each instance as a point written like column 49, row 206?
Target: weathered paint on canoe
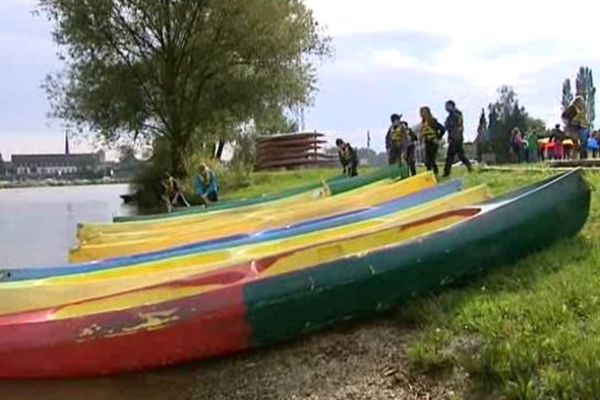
column 248, row 311
column 193, row 322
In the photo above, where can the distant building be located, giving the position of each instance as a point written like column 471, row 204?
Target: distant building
column 57, row 165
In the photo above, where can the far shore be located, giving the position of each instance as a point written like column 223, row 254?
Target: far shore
column 60, row 182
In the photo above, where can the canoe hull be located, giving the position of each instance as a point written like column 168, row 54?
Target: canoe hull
column 263, row 312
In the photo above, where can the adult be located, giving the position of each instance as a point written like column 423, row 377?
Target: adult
column 348, row 158
column 577, row 124
column 172, row 194
column 455, row 128
column 431, row 134
column 396, row 141
column 206, row 185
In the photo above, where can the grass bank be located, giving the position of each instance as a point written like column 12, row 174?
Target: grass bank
column 261, row 183
column 235, row 185
column 528, row 331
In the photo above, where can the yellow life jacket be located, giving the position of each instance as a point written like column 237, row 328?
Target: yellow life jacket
column 399, row 134
column 580, row 118
column 428, row 131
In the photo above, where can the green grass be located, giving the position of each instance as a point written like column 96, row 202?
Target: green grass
column 239, row 184
column 261, row 183
column 530, row 330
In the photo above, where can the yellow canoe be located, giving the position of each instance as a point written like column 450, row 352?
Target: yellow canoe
column 224, row 226
column 166, row 228
column 90, row 233
column 333, row 243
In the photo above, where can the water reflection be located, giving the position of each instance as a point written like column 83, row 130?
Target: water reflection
column 38, row 225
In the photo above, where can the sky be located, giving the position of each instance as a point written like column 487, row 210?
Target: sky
column 389, row 56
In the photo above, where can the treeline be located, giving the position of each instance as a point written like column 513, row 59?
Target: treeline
column 506, row 113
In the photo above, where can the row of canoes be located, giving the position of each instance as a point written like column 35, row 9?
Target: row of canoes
column 198, row 285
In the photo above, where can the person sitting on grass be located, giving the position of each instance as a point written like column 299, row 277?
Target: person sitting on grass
column 172, row 193
column 348, row 158
column 206, row 185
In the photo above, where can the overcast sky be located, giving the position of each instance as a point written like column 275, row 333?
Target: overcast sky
column 390, row 56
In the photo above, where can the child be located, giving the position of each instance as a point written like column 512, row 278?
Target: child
column 593, row 145
column 206, row 185
column 172, row 193
column 348, row 158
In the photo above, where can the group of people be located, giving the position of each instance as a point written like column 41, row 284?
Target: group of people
column 401, row 142
column 205, row 185
column 566, row 144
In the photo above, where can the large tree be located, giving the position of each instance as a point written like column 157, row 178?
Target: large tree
column 173, row 69
column 482, row 140
column 586, row 89
column 505, row 114
column 567, row 94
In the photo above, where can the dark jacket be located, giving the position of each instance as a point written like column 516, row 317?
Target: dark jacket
column 348, row 156
column 455, row 127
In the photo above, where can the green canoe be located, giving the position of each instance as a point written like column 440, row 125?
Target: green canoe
column 336, row 185
column 505, row 230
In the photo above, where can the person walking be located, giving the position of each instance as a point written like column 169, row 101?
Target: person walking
column 455, row 128
column 396, row 141
column 431, row 133
column 577, row 123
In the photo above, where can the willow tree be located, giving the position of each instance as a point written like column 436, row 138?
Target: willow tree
column 586, row 89
column 171, row 69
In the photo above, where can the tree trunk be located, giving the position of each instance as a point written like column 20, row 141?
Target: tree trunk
column 177, row 161
column 220, row 148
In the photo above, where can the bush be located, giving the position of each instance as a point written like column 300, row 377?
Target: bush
column 148, row 188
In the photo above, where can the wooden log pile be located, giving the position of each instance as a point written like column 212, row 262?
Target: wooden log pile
column 293, row 151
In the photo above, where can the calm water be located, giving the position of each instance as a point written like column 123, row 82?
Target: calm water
column 37, row 225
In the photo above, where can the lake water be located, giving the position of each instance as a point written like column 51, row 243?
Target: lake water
column 38, row 225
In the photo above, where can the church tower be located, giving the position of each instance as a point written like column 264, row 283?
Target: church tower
column 67, row 152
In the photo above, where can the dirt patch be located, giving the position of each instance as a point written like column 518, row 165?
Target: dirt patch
column 367, row 361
